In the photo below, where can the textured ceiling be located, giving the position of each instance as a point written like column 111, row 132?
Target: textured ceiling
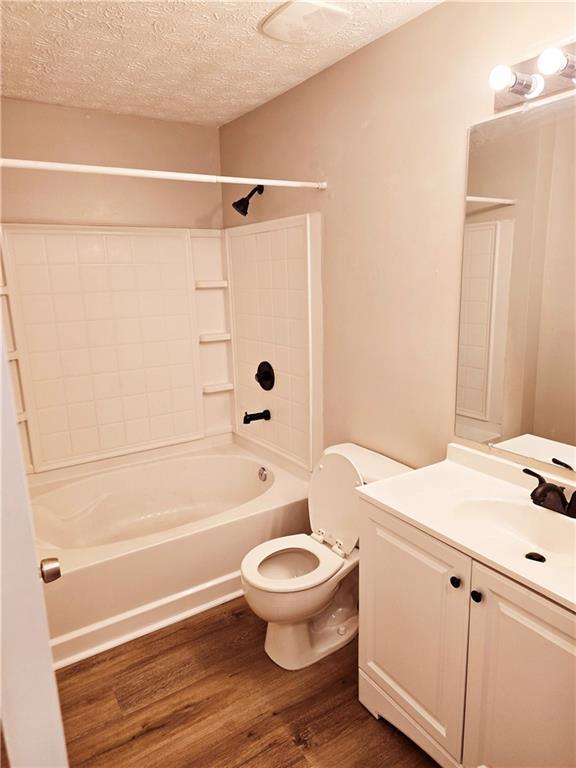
column 192, row 60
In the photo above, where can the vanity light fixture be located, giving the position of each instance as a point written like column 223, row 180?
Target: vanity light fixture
column 548, row 75
column 503, row 78
column 555, row 61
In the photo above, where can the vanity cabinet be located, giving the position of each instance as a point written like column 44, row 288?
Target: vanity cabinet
column 414, row 624
column 521, row 689
column 489, row 681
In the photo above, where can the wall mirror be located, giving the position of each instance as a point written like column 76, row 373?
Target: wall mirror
column 516, row 385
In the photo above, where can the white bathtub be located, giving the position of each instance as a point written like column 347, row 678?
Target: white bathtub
column 152, row 541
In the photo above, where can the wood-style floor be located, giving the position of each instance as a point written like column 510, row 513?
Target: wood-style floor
column 203, row 693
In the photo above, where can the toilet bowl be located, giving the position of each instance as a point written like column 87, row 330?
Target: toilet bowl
column 306, row 585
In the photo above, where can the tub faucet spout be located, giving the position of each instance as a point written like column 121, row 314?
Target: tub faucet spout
column 249, row 417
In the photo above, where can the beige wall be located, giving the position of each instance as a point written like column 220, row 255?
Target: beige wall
column 61, row 134
column 386, row 128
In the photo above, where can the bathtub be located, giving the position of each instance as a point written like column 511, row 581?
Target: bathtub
column 148, row 542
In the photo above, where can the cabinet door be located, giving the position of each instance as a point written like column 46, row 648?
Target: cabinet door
column 521, row 696
column 414, row 623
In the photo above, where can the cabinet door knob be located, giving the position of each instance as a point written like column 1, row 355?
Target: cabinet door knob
column 455, row 581
column 476, row 596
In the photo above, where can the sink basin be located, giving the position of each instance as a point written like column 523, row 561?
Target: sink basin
column 527, row 526
column 480, row 505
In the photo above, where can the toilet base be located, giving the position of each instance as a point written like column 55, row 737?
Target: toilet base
column 300, row 644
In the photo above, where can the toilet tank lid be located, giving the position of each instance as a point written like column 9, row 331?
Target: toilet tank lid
column 372, row 466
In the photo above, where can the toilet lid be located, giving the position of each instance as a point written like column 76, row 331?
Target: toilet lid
column 333, row 501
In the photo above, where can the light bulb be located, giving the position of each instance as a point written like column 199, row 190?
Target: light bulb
column 501, row 77
column 552, row 61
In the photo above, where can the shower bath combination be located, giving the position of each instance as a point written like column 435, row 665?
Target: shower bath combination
column 213, row 262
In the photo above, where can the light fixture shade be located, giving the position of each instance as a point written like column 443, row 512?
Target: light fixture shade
column 305, row 21
column 501, row 78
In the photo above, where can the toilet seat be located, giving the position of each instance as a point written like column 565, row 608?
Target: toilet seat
column 328, row 564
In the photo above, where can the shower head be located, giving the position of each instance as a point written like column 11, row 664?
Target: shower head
column 242, row 205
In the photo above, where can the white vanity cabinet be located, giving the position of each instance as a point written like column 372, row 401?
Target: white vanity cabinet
column 414, row 623
column 521, row 687
column 489, row 683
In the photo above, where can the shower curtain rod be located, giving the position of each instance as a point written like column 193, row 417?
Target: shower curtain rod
column 110, row 170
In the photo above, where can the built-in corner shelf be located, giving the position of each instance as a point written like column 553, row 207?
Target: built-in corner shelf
column 207, row 285
column 476, row 203
column 209, row 338
column 211, row 389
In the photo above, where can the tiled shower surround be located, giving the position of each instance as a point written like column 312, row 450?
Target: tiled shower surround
column 106, row 333
column 270, row 288
column 120, row 338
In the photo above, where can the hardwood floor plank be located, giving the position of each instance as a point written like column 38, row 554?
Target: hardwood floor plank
column 175, row 665
column 204, row 693
column 90, row 714
column 369, row 743
column 140, row 732
column 230, row 744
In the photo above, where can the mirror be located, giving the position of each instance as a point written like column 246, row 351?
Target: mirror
column 516, row 384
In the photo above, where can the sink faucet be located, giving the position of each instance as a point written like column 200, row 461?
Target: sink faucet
column 552, row 496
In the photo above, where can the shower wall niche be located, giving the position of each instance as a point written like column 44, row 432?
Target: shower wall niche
column 118, row 339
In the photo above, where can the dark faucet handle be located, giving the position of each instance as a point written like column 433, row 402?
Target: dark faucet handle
column 538, row 477
column 563, row 464
column 548, row 495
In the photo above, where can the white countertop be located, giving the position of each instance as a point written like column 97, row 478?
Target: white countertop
column 481, row 506
column 539, row 448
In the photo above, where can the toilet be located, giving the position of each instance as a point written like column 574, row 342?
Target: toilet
column 306, row 585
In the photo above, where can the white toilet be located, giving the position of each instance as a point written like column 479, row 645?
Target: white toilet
column 306, row 586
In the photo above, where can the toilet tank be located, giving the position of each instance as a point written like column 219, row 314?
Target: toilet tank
column 372, row 466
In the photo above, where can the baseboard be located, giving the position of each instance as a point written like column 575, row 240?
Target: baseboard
column 380, row 705
column 103, row 635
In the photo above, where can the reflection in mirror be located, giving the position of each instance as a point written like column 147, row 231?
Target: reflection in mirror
column 517, row 345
